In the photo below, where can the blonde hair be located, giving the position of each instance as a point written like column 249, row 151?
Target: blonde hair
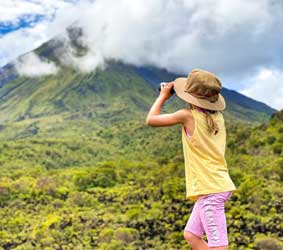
column 211, row 123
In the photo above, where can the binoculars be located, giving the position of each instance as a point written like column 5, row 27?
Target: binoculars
column 172, row 91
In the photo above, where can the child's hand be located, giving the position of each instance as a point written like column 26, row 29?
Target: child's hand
column 165, row 90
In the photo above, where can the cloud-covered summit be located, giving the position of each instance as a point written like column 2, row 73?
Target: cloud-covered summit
column 226, row 37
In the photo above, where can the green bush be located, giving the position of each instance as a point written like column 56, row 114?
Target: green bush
column 267, row 243
column 103, row 175
column 271, row 140
column 106, row 235
column 126, row 235
column 280, row 130
column 277, row 148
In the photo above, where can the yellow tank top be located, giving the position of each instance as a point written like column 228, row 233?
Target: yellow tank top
column 204, row 155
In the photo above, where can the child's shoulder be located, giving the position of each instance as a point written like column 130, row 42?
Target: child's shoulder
column 185, row 111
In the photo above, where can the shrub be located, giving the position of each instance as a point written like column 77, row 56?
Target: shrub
column 277, row 148
column 113, row 245
column 81, row 199
column 280, row 130
column 242, row 136
column 47, row 184
column 243, row 150
column 267, row 243
column 271, row 139
column 100, row 176
column 126, row 235
column 106, row 235
column 256, row 143
column 105, row 177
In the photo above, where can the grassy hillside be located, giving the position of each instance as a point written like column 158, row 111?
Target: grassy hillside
column 71, row 103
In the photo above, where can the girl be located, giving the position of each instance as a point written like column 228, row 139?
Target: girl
column 204, row 139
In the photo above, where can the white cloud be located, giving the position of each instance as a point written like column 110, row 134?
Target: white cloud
column 226, row 37
column 12, row 10
column 266, row 86
column 31, row 65
column 230, row 38
column 86, row 63
column 21, row 41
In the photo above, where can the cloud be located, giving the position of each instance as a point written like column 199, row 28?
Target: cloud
column 226, row 37
column 14, row 10
column 58, row 15
column 266, row 86
column 31, row 65
column 86, row 62
column 230, row 38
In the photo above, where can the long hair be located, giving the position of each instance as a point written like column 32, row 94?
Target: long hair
column 211, row 123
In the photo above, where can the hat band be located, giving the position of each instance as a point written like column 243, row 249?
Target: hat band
column 211, row 98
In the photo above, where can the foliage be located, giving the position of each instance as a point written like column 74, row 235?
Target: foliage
column 81, row 170
column 57, row 194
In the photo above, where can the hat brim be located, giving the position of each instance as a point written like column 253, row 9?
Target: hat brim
column 179, row 87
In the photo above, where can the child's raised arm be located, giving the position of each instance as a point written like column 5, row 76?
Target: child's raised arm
column 155, row 119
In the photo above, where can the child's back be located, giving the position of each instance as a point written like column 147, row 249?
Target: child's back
column 204, row 154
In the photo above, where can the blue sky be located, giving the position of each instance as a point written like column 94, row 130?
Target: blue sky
column 24, row 21
column 241, row 42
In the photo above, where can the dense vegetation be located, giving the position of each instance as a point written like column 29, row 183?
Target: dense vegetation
column 80, row 170
column 58, row 194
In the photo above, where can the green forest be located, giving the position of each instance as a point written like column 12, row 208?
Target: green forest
column 124, row 188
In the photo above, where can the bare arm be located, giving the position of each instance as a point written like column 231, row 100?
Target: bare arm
column 155, row 119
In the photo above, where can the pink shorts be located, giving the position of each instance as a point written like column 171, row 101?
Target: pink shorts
column 208, row 216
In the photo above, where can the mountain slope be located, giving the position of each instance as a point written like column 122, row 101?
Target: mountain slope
column 120, row 92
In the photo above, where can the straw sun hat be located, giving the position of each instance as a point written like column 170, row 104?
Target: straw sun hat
column 201, row 88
